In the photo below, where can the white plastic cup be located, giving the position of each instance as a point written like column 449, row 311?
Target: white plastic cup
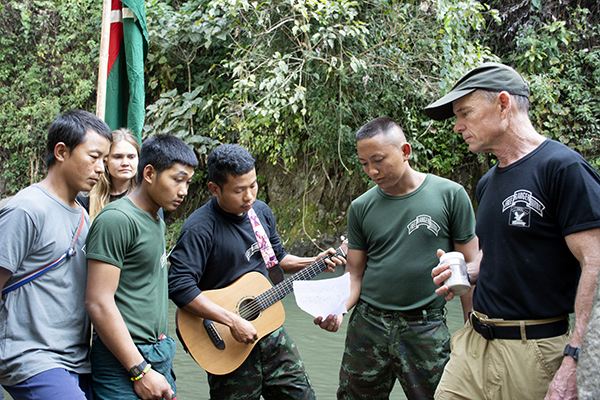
column 459, row 280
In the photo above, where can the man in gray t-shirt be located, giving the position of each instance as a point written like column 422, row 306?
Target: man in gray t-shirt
column 45, row 329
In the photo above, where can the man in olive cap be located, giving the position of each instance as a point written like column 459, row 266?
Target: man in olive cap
column 538, row 224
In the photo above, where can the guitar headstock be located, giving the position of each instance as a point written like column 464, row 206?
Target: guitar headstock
column 344, row 247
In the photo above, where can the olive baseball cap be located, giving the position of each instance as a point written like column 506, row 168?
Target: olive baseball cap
column 493, row 77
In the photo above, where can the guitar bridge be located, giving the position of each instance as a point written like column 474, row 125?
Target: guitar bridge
column 214, row 335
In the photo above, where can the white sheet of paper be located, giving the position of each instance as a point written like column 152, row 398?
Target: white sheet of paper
column 324, row 296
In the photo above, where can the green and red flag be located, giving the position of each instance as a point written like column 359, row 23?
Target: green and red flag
column 128, row 47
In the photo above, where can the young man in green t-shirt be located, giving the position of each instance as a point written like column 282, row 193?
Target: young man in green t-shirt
column 127, row 296
column 398, row 328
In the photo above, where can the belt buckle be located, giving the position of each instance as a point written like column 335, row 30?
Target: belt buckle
column 484, row 330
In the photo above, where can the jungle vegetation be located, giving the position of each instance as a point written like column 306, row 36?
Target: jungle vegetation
column 293, row 80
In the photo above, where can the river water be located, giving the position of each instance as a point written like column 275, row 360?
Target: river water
column 320, row 350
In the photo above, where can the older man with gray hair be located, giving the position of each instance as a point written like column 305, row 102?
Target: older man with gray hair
column 538, row 224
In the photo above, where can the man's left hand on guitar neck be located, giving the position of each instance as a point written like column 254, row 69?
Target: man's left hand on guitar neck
column 291, row 264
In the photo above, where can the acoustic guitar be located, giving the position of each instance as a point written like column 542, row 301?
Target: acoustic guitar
column 253, row 298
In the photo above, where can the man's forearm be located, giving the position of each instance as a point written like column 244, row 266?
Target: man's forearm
column 583, row 302
column 110, row 327
column 292, row 264
column 585, row 246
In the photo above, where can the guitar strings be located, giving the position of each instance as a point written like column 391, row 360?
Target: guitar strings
column 275, row 293
column 305, row 274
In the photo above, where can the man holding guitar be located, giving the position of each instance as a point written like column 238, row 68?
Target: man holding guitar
column 398, row 328
column 224, row 242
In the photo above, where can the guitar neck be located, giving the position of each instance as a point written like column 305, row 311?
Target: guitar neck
column 282, row 289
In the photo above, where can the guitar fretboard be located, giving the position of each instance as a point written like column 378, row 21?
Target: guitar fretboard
column 279, row 291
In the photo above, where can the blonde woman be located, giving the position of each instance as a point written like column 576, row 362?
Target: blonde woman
column 120, row 173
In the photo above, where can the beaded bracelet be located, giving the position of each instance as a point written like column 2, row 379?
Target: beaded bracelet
column 144, row 372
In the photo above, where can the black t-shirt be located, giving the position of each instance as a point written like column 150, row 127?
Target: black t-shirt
column 525, row 211
column 84, row 199
column 215, row 248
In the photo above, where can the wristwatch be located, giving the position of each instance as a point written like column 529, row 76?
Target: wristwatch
column 137, row 370
column 572, row 351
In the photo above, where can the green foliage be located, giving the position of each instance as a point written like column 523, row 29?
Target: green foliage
column 438, row 148
column 303, row 76
column 461, row 51
column 286, row 57
column 298, row 220
column 542, row 47
column 48, row 62
column 565, row 81
column 298, row 78
column 185, row 103
column 173, row 114
column 172, row 234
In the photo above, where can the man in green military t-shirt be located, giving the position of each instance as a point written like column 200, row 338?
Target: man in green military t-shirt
column 398, row 329
column 127, row 295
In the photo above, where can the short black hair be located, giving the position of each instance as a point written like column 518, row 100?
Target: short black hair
column 70, row 129
column 228, row 159
column 164, row 151
column 378, row 125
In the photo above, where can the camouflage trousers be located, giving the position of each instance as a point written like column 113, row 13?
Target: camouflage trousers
column 382, row 346
column 273, row 369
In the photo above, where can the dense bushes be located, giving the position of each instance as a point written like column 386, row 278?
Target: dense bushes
column 294, row 79
column 48, row 64
column 290, row 78
column 301, row 77
column 563, row 66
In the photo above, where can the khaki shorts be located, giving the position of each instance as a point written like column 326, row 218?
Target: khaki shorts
column 499, row 368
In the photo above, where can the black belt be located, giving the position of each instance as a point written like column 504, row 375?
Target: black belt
column 541, row 331
column 409, row 315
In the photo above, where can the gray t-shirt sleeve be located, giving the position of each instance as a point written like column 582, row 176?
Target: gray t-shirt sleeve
column 18, row 238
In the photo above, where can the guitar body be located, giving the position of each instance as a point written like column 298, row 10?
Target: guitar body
column 252, row 298
column 195, row 338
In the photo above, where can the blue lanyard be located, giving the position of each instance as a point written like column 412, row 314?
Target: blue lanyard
column 68, row 254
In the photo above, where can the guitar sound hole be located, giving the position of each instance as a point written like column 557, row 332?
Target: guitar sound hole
column 249, row 309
